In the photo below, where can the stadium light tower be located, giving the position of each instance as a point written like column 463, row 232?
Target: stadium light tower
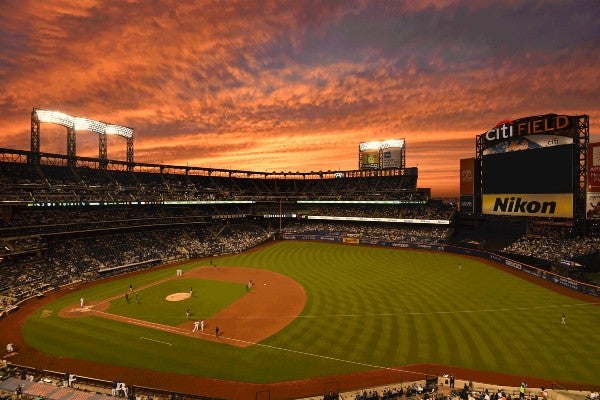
column 74, row 124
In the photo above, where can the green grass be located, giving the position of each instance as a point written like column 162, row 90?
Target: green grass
column 366, row 308
column 208, row 297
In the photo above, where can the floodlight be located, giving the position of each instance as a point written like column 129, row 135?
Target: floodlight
column 55, row 117
column 119, row 130
column 85, row 124
column 380, row 145
column 391, row 143
column 369, row 146
column 82, row 124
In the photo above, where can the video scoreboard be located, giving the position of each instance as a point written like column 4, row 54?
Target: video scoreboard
column 526, row 167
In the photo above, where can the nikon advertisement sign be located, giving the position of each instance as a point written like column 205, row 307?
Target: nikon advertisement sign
column 529, row 205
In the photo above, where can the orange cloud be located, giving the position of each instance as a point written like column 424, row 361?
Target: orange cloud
column 287, row 86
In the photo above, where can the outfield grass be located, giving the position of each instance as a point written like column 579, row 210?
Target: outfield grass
column 366, row 308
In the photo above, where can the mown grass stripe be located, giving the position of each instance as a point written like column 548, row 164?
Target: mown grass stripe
column 366, row 308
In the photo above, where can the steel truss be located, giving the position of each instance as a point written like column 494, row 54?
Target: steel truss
column 34, row 157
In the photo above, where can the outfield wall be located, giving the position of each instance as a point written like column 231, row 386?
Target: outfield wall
column 548, row 276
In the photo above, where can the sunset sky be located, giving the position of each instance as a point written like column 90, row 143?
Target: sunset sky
column 295, row 85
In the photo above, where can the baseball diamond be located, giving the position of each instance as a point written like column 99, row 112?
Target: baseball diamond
column 308, row 326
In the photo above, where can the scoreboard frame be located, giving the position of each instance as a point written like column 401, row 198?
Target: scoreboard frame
column 384, row 154
column 575, row 127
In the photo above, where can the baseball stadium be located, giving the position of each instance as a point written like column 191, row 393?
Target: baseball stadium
column 154, row 281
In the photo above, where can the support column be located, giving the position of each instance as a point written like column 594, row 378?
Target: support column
column 102, row 150
column 35, row 139
column 130, row 153
column 71, row 144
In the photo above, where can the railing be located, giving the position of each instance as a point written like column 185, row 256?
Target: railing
column 101, row 384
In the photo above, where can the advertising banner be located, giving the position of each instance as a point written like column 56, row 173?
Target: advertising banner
column 467, row 175
column 593, row 172
column 527, row 143
column 529, row 205
column 467, row 204
column 592, row 205
column 370, row 159
column 392, row 157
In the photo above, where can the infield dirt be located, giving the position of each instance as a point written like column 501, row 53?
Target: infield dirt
column 257, row 315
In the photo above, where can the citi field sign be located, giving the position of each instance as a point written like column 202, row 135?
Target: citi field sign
column 546, row 124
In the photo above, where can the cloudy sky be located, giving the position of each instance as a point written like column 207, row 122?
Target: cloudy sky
column 295, row 85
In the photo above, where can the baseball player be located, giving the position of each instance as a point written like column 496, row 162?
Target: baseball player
column 196, row 326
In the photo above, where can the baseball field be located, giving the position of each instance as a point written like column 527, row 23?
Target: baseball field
column 319, row 309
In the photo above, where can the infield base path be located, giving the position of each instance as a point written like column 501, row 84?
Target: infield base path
column 274, row 302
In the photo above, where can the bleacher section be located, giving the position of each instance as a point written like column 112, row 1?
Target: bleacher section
column 23, row 183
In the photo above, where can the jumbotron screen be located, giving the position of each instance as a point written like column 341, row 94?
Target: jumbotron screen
column 536, row 171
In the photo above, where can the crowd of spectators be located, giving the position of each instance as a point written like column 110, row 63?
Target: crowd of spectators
column 28, row 222
column 53, row 183
column 429, row 211
column 554, row 244
column 35, row 221
column 415, row 233
column 70, row 260
column 414, row 389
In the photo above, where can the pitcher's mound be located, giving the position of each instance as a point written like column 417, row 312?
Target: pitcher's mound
column 178, row 296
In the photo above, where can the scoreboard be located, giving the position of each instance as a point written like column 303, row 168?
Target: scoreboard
column 381, row 154
column 527, row 167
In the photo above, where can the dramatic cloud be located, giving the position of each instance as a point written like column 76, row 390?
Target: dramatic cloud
column 296, row 85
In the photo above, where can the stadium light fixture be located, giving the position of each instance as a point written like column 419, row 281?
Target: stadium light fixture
column 82, row 124
column 119, row 130
column 85, row 124
column 55, row 117
column 381, row 144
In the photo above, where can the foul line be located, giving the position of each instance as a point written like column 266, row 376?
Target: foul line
column 324, row 357
column 157, row 341
column 304, row 353
column 485, row 310
column 488, row 310
column 375, row 366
